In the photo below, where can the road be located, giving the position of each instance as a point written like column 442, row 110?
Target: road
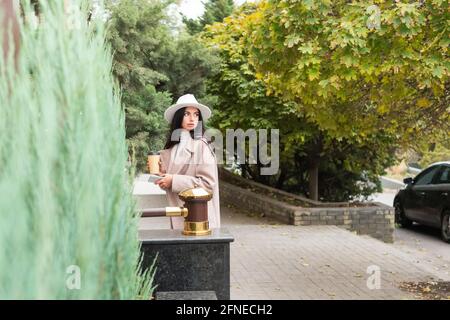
column 423, row 244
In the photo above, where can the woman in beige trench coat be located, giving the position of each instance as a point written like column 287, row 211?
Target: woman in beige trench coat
column 188, row 160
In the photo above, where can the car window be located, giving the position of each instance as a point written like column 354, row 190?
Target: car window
column 426, row 177
column 444, row 177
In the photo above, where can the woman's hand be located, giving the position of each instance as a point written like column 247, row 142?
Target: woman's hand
column 165, row 182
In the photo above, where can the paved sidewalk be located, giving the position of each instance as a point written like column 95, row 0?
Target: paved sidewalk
column 275, row 261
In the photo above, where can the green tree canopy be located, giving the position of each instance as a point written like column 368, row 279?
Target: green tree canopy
column 140, row 38
column 154, row 66
column 186, row 67
column 215, row 11
column 355, row 68
column 348, row 168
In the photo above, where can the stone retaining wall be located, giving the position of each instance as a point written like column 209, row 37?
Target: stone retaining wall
column 375, row 219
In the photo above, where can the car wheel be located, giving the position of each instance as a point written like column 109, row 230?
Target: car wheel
column 400, row 217
column 445, row 226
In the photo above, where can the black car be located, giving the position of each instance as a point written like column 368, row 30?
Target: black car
column 426, row 199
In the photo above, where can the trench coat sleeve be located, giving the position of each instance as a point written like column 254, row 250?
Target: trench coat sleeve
column 165, row 158
column 205, row 171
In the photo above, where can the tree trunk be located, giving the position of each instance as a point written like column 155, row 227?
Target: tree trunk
column 313, row 171
column 313, row 162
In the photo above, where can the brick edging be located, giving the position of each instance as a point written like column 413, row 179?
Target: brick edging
column 376, row 221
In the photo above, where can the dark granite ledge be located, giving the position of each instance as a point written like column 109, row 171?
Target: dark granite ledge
column 168, row 236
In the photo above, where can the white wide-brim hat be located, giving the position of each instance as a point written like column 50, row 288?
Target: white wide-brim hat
column 188, row 100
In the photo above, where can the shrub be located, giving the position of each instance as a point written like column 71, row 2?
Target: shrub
column 65, row 183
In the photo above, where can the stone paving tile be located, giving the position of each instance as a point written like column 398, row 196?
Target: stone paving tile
column 277, row 261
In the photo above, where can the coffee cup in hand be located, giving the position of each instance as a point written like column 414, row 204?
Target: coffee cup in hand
column 153, row 163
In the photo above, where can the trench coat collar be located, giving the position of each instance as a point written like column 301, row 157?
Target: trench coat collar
column 186, row 142
column 181, row 153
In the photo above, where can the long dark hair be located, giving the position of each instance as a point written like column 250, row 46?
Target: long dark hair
column 177, row 120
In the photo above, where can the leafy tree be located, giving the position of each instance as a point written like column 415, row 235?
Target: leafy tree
column 154, row 66
column 141, row 40
column 186, row 66
column 215, row 11
column 351, row 77
column 435, row 152
column 349, row 168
